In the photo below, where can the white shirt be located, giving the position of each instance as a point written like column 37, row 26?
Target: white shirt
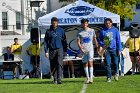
column 86, row 38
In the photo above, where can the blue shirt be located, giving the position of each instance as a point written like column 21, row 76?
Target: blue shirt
column 114, row 38
column 54, row 39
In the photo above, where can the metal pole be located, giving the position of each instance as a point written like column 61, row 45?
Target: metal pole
column 49, row 6
column 22, row 17
column 134, row 53
column 39, row 37
column 31, row 13
column 13, row 29
column 0, row 32
column 118, row 25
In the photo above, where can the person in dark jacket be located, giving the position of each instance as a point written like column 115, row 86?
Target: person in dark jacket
column 54, row 41
column 8, row 56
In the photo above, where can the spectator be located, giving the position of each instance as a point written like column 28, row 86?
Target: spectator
column 109, row 40
column 134, row 53
column 16, row 49
column 8, row 56
column 34, row 53
column 70, row 64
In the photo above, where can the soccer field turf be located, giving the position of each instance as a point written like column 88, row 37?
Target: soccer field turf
column 127, row 84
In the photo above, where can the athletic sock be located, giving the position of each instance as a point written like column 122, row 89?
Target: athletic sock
column 91, row 73
column 86, row 72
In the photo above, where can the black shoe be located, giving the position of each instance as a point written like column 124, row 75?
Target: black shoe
column 59, row 82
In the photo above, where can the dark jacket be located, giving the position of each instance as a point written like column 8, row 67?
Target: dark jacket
column 55, row 39
column 6, row 58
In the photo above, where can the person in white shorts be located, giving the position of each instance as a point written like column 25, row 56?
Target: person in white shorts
column 85, row 38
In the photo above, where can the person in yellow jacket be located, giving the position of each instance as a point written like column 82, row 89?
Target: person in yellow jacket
column 34, row 52
column 16, row 49
column 132, row 52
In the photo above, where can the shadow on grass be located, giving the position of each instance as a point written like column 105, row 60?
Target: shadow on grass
column 73, row 81
column 41, row 82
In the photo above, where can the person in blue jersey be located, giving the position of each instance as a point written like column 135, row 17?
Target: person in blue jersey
column 109, row 40
column 54, row 41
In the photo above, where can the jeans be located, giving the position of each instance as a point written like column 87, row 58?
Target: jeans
column 111, row 55
column 121, row 62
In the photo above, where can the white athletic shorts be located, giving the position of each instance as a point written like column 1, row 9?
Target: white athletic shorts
column 88, row 56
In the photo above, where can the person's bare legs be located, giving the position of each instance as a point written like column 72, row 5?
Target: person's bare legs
column 71, row 65
column 14, row 71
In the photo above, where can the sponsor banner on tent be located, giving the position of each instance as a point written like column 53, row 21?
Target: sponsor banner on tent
column 79, row 12
column 78, row 20
column 73, row 13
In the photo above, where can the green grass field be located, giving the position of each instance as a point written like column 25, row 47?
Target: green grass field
column 127, row 84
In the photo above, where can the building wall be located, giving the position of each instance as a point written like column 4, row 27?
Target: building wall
column 136, row 18
column 11, row 6
column 55, row 5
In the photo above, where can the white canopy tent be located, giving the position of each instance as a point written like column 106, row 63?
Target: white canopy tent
column 73, row 13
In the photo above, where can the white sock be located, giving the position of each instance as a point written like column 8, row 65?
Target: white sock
column 86, row 72
column 91, row 72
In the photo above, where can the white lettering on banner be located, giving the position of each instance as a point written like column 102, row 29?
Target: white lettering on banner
column 96, row 19
column 100, row 19
column 78, row 20
column 67, row 20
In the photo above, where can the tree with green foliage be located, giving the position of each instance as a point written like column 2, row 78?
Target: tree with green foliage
column 124, row 8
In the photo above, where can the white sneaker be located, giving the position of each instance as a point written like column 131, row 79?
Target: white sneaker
column 91, row 81
column 87, row 81
column 122, row 74
column 73, row 76
column 52, row 77
column 108, row 80
column 116, row 77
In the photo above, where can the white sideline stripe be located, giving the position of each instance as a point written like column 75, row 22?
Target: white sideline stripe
column 84, row 88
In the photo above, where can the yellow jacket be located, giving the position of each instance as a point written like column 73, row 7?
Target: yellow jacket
column 16, row 48
column 130, row 44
